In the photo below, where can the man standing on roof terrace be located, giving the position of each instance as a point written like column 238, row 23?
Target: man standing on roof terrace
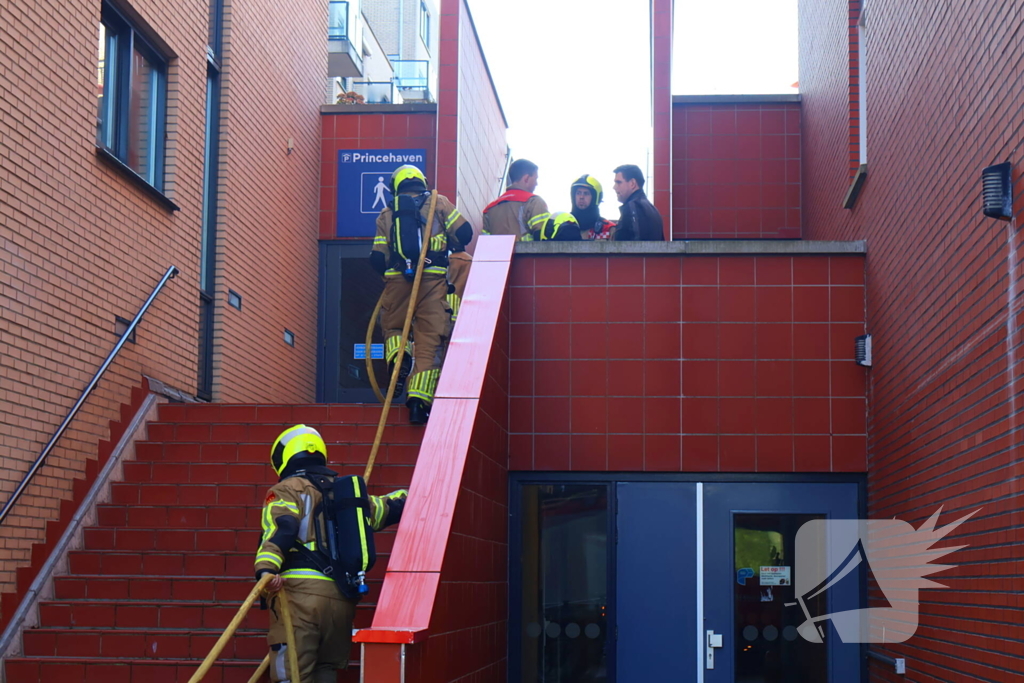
column 640, row 219
column 519, row 211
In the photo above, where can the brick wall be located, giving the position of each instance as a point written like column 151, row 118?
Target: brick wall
column 943, row 297
column 387, row 127
column 81, row 243
column 482, row 126
column 694, row 364
column 275, row 67
column 736, row 168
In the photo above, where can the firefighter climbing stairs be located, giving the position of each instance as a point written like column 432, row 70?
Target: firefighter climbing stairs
column 170, row 560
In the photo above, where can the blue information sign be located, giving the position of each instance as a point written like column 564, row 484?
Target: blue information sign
column 364, row 177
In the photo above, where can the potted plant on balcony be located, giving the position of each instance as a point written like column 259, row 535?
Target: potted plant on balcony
column 351, row 97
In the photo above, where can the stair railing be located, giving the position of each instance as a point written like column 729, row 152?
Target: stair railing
column 41, row 460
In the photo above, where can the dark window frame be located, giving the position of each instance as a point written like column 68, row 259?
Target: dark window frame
column 123, row 40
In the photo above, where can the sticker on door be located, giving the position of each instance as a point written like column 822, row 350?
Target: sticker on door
column 776, row 576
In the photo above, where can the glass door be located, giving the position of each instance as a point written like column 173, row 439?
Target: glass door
column 755, row 622
column 349, row 289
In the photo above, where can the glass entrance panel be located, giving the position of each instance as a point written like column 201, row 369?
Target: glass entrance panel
column 767, row 647
column 750, row 570
column 564, row 603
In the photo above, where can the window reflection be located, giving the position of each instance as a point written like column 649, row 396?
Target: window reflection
column 565, row 583
column 768, row 647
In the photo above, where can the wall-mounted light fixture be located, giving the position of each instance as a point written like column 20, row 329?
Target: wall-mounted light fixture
column 234, row 299
column 997, row 191
column 289, row 337
column 862, row 353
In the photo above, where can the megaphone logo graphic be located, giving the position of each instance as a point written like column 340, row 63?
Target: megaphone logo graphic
column 831, row 554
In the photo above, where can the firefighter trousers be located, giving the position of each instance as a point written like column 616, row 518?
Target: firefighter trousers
column 323, row 635
column 458, row 274
column 431, row 329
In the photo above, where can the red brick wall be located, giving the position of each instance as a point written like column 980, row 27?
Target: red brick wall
column 854, row 85
column 80, row 243
column 696, row 364
column 482, row 125
column 737, row 169
column 275, row 67
column 943, row 298
column 353, row 129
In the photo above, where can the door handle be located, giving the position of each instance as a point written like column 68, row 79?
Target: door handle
column 714, row 640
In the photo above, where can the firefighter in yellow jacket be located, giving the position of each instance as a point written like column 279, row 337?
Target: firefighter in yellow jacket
column 307, row 536
column 395, row 255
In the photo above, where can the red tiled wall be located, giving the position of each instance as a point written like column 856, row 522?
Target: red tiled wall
column 448, row 98
column 661, row 106
column 482, row 145
column 696, row 364
column 944, row 298
column 376, row 130
column 737, row 171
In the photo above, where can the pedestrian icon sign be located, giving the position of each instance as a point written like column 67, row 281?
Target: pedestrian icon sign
column 375, row 192
column 378, row 193
column 364, row 186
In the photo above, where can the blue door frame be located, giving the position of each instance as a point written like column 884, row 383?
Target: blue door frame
column 660, row 603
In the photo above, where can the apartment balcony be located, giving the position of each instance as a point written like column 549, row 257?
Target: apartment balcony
column 412, row 78
column 344, row 39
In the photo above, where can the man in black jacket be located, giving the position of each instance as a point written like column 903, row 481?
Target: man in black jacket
column 640, row 220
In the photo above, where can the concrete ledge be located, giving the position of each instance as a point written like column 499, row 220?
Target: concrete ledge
column 692, row 247
column 735, row 99
column 376, row 108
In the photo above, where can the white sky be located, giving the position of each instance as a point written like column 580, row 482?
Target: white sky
column 574, row 75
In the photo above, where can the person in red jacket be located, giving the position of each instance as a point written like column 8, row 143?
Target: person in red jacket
column 519, row 211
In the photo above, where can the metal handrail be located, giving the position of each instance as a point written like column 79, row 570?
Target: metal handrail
column 41, row 460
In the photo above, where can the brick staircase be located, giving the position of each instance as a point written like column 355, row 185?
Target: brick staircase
column 171, row 559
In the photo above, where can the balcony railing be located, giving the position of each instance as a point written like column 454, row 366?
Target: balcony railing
column 376, row 92
column 337, row 20
column 412, row 74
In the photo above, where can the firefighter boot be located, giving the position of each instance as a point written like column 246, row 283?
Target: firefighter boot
column 403, row 373
column 419, row 411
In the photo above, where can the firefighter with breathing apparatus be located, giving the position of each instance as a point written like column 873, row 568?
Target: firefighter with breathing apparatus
column 318, row 539
column 395, row 256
